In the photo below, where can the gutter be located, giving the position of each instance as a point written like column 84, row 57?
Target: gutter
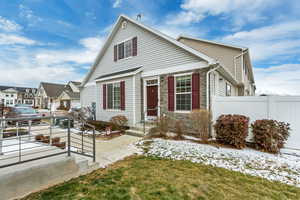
column 208, row 85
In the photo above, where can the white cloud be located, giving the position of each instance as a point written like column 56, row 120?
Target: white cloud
column 10, row 39
column 23, row 65
column 117, row 3
column 27, row 14
column 32, row 75
column 84, row 55
column 269, row 42
column 8, row 25
column 283, row 79
column 239, row 11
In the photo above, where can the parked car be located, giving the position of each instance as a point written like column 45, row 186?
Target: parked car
column 23, row 105
column 22, row 112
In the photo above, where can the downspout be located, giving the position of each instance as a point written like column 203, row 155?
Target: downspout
column 208, row 85
column 235, row 58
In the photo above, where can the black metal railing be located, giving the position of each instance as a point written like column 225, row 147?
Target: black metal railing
column 28, row 139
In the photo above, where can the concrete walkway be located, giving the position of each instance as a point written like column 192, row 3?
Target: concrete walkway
column 110, row 151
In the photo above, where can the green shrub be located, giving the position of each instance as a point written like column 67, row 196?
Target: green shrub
column 270, row 135
column 232, row 130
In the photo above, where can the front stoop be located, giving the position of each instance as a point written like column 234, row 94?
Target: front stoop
column 138, row 130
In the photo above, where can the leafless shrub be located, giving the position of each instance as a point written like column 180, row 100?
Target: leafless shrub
column 201, row 121
column 179, row 130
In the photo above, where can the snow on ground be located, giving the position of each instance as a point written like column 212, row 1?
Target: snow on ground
column 283, row 168
column 10, row 146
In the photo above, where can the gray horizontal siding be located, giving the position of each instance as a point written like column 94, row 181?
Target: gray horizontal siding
column 106, row 115
column 88, row 95
column 153, row 53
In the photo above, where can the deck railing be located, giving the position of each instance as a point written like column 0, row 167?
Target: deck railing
column 28, row 139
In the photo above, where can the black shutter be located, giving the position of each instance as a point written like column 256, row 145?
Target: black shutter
column 134, row 46
column 121, row 50
column 115, row 53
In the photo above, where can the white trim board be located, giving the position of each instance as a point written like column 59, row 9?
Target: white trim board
column 119, row 76
column 180, row 68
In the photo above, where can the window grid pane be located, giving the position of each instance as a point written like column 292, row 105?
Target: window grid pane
column 128, row 48
column 183, row 93
column 110, row 96
column 117, row 96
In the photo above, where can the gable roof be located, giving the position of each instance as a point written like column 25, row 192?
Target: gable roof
column 212, row 42
column 155, row 32
column 52, row 89
column 245, row 50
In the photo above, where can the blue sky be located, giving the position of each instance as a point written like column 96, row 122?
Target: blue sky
column 57, row 40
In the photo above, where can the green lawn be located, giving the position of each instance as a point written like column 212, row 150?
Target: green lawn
column 142, row 177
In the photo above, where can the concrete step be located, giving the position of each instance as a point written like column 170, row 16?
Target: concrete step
column 135, row 133
column 85, row 164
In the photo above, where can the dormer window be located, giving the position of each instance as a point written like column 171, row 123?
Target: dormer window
column 125, row 49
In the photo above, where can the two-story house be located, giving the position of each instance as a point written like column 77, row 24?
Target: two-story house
column 70, row 96
column 47, row 95
column 143, row 73
column 10, row 96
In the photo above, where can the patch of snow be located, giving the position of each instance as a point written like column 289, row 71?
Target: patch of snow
column 281, row 167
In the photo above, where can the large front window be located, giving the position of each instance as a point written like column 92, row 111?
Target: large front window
column 183, row 93
column 113, row 96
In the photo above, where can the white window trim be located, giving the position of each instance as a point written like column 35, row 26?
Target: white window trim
column 175, row 104
column 123, row 41
column 112, row 109
column 145, row 95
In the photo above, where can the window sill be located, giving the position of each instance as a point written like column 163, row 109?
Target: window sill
column 125, row 58
column 113, row 110
column 183, row 111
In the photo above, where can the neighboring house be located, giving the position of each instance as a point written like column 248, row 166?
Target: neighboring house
column 10, row 96
column 70, row 96
column 141, row 72
column 47, row 95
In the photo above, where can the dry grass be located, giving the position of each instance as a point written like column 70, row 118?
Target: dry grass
column 152, row 178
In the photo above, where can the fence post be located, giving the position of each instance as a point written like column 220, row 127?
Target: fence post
column 69, row 137
column 50, row 130
column 94, row 145
column 1, row 135
column 17, row 126
column 19, row 148
column 81, row 141
column 29, row 129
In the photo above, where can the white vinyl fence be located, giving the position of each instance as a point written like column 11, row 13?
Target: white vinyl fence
column 282, row 108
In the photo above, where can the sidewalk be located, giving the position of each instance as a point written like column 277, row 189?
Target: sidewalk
column 110, row 151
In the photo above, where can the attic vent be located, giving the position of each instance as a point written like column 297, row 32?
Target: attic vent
column 124, row 24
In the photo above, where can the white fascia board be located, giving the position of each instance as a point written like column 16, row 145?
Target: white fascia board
column 180, row 68
column 212, row 42
column 227, row 74
column 119, row 76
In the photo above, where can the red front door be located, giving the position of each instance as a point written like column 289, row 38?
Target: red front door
column 152, row 100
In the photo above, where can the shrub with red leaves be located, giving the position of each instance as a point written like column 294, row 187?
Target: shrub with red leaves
column 232, row 130
column 270, row 135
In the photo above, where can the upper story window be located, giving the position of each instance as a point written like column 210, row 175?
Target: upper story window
column 183, row 93
column 228, row 89
column 125, row 49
